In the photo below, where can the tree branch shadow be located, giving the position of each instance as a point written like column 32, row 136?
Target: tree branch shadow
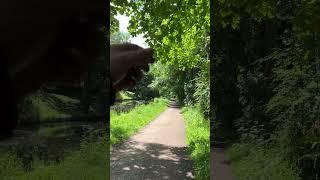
column 136, row 160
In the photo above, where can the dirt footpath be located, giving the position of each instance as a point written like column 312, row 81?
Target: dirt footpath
column 158, row 151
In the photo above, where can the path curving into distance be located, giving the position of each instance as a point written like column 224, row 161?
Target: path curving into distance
column 158, row 151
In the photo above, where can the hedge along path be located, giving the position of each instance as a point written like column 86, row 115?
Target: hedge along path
column 158, row 151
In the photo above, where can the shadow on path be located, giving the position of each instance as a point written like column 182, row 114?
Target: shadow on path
column 157, row 151
column 135, row 160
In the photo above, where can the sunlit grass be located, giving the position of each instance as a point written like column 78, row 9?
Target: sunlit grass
column 198, row 140
column 125, row 95
column 122, row 126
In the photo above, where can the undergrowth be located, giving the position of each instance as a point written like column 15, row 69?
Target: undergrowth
column 252, row 162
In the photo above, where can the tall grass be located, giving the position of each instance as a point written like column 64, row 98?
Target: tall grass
column 252, row 162
column 124, row 125
column 198, row 140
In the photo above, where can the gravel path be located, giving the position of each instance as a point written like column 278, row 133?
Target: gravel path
column 157, row 151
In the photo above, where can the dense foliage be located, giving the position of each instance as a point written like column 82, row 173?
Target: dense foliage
column 266, row 77
column 179, row 33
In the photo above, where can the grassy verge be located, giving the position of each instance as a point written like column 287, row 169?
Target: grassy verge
column 251, row 162
column 124, row 125
column 90, row 163
column 198, row 140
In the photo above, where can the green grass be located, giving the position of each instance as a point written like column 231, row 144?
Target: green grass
column 198, row 140
column 47, row 106
column 252, row 162
column 90, row 163
column 124, row 125
column 9, row 165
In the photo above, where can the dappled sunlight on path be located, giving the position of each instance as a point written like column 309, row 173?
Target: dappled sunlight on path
column 158, row 151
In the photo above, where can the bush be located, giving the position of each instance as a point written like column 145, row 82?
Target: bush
column 143, row 90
